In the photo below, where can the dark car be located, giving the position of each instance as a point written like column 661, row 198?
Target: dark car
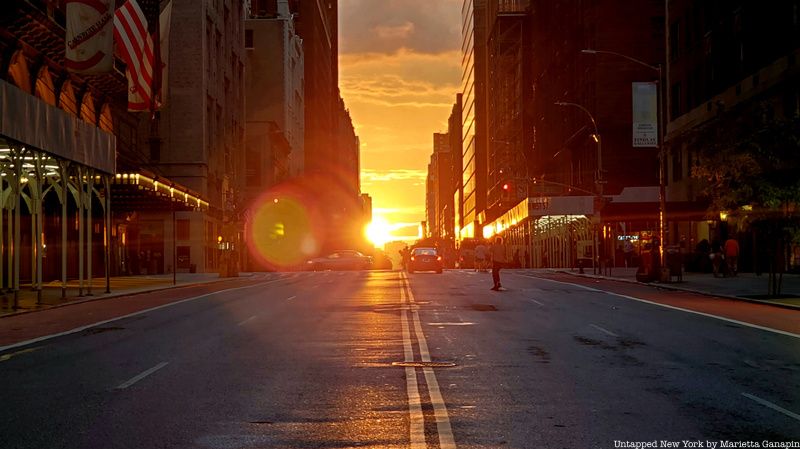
column 340, row 260
column 425, row 259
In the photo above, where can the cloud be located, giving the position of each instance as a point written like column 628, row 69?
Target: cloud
column 369, row 175
column 387, row 26
column 404, row 79
column 397, row 102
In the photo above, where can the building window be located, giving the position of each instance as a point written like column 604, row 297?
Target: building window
column 674, row 40
column 184, row 254
column 183, row 230
column 675, row 101
column 248, row 39
column 677, row 164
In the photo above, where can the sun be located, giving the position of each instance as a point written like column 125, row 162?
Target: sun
column 379, row 232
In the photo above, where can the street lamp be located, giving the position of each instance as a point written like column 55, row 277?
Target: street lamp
column 662, row 187
column 599, row 181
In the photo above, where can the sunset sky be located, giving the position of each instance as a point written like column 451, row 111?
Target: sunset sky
column 399, row 72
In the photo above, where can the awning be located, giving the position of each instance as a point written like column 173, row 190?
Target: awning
column 145, row 191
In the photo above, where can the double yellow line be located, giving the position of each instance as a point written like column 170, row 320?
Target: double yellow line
column 417, row 432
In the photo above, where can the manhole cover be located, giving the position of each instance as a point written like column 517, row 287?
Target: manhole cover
column 424, row 364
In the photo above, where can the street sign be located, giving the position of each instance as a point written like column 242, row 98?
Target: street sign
column 645, row 115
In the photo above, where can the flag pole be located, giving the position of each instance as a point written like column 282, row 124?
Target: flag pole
column 155, row 83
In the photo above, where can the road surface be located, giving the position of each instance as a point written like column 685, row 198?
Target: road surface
column 391, row 360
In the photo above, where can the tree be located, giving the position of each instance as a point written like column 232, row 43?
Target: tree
column 750, row 163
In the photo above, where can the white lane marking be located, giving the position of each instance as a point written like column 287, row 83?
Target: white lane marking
column 247, row 320
column 141, row 312
column 768, row 404
column 140, row 376
column 445, row 430
column 462, row 323
column 417, row 419
column 729, row 320
column 537, row 302
column 605, row 331
column 291, row 298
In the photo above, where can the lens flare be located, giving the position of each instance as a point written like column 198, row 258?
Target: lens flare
column 283, row 229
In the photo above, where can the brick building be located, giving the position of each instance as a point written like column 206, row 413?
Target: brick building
column 202, row 125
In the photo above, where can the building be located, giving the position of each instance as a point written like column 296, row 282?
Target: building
column 343, row 188
column 732, row 70
column 559, row 137
column 473, row 90
column 454, row 124
column 509, row 141
column 80, row 201
column 274, row 111
column 202, row 127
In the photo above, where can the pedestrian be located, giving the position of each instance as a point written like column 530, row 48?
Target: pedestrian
column 480, row 257
column 499, row 260
column 527, row 259
column 716, row 257
column 732, row 255
column 517, row 261
column 627, row 249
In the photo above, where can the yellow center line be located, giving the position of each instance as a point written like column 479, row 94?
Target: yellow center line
column 6, row 357
column 417, row 429
column 443, row 427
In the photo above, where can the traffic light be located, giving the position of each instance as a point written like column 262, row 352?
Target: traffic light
column 507, row 192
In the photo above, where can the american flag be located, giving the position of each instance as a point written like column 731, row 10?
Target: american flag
column 135, row 47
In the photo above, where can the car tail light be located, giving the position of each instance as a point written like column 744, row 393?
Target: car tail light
column 439, row 258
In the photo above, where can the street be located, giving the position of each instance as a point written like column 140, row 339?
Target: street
column 385, row 359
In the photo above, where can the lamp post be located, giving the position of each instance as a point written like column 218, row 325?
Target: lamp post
column 662, row 187
column 598, row 179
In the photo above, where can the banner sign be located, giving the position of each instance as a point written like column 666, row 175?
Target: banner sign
column 90, row 36
column 645, row 115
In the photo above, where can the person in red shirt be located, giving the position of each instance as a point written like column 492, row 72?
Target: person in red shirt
column 732, row 255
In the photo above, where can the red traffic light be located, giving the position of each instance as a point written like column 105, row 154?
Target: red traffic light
column 505, row 186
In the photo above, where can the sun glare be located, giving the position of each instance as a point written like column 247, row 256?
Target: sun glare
column 379, row 232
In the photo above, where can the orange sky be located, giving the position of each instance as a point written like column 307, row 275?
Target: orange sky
column 399, row 72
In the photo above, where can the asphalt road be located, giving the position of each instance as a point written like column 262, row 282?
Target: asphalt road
column 388, row 360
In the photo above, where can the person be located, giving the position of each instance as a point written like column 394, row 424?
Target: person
column 499, row 259
column 732, row 255
column 716, row 258
column 627, row 249
column 480, row 257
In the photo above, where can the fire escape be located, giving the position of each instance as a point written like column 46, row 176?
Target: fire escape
column 507, row 167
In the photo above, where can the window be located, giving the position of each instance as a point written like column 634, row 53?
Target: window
column 675, row 101
column 183, row 229
column 184, row 254
column 248, row 39
column 674, row 40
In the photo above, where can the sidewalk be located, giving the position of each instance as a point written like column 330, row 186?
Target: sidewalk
column 120, row 286
column 745, row 286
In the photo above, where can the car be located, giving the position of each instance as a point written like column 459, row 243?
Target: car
column 340, row 260
column 425, row 259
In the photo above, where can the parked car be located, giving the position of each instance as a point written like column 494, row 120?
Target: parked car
column 340, row 260
column 425, row 259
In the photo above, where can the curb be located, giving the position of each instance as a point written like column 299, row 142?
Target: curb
column 119, row 295
column 678, row 288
